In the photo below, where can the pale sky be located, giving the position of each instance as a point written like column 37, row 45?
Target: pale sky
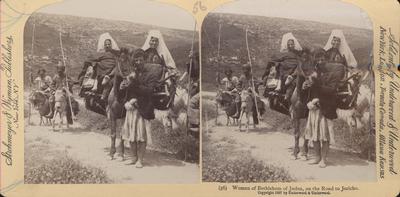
column 328, row 11
column 137, row 11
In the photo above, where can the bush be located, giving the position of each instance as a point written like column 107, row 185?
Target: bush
column 359, row 141
column 175, row 142
column 65, row 171
column 208, row 110
column 220, row 164
column 90, row 121
column 243, row 170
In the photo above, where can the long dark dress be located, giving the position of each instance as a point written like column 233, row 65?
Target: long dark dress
column 106, row 62
column 151, row 56
column 329, row 77
column 288, row 62
column 319, row 126
column 143, row 87
column 333, row 55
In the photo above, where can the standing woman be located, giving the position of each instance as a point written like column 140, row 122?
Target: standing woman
column 330, row 72
column 140, row 108
column 322, row 108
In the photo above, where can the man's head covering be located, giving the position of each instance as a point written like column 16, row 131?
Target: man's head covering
column 124, row 50
column 246, row 66
column 41, row 70
column 285, row 38
column 344, row 48
column 162, row 49
column 103, row 37
column 60, row 67
column 306, row 50
column 138, row 53
column 228, row 71
column 318, row 51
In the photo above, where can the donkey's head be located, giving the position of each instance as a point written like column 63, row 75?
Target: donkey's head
column 37, row 99
column 60, row 99
column 358, row 118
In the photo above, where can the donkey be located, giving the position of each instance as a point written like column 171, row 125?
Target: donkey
column 115, row 110
column 246, row 108
column 305, row 72
column 249, row 107
column 176, row 114
column 60, row 107
column 231, row 108
column 116, row 99
column 41, row 103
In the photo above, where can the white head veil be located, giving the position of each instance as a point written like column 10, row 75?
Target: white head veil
column 285, row 38
column 161, row 48
column 102, row 38
column 344, row 48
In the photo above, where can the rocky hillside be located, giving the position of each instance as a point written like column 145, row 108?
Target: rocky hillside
column 264, row 36
column 80, row 35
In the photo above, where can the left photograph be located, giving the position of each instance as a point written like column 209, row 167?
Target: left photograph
column 111, row 93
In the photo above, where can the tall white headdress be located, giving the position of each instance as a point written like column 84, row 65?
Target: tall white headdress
column 344, row 48
column 162, row 48
column 285, row 38
column 102, row 38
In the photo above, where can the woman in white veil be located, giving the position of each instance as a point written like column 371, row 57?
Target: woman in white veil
column 288, row 60
column 338, row 50
column 156, row 52
column 102, row 42
column 287, row 46
column 107, row 52
column 155, row 43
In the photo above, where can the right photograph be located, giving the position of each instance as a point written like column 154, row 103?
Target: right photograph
column 287, row 92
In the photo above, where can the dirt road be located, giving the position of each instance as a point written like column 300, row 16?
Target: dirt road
column 272, row 146
column 91, row 149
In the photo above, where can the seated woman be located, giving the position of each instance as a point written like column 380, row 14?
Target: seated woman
column 156, row 52
column 229, row 82
column 43, row 81
column 106, row 59
column 338, row 51
column 287, row 61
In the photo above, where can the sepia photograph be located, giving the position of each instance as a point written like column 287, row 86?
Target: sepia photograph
column 199, row 98
column 111, row 93
column 287, row 92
